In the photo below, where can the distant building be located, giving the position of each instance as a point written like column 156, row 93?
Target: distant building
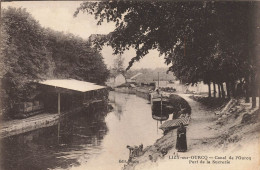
column 116, row 81
column 130, row 81
column 133, row 78
column 120, row 79
column 140, row 78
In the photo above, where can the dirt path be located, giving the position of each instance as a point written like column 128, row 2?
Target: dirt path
column 200, row 127
column 205, row 138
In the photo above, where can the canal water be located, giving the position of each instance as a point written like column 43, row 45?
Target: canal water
column 94, row 139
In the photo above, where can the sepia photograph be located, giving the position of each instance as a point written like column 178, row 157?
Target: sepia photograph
column 129, row 85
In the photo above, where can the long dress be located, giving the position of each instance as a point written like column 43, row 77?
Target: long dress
column 181, row 143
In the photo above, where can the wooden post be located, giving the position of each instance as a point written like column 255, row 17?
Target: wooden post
column 161, row 108
column 59, row 114
column 59, row 103
column 214, row 87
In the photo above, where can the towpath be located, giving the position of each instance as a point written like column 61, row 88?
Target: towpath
column 205, row 138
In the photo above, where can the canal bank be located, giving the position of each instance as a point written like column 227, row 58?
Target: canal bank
column 83, row 141
column 18, row 126
column 143, row 93
column 210, row 134
column 14, row 127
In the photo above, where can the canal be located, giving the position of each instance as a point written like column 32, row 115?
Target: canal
column 95, row 139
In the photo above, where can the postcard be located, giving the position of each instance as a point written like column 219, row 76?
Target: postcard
column 132, row 85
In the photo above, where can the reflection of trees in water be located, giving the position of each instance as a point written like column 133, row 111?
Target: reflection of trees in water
column 32, row 150
column 84, row 129
column 79, row 134
column 118, row 110
column 119, row 100
column 112, row 97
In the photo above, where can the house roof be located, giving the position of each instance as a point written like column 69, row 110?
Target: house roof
column 138, row 74
column 72, row 84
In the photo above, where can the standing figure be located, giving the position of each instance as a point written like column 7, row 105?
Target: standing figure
column 239, row 90
column 181, row 143
column 131, row 150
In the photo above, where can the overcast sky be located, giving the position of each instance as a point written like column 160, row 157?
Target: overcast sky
column 58, row 16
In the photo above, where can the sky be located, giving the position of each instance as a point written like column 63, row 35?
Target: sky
column 58, row 15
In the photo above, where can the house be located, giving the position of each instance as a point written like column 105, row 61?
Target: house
column 135, row 76
column 116, row 81
column 119, row 79
column 140, row 78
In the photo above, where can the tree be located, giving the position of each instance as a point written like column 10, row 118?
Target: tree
column 118, row 66
column 32, row 53
column 23, row 54
column 201, row 41
column 74, row 58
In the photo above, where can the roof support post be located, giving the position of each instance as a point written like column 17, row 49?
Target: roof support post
column 59, row 114
column 59, row 103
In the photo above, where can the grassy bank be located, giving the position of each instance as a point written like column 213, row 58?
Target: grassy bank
column 225, row 128
column 211, row 102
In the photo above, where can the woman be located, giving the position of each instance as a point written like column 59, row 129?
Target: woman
column 181, row 144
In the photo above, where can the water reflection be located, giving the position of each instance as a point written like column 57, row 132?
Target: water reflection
column 130, row 123
column 57, row 146
column 93, row 139
column 118, row 102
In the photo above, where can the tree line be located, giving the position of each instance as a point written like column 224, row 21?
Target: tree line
column 213, row 42
column 31, row 53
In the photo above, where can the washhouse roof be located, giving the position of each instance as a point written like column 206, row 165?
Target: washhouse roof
column 72, row 84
